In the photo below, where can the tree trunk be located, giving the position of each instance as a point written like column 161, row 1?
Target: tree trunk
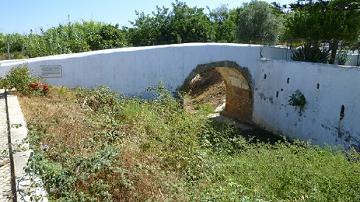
column 333, row 47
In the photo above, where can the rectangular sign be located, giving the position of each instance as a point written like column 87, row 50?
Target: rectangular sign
column 51, row 71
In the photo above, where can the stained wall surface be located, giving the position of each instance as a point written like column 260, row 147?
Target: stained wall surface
column 332, row 111
column 327, row 88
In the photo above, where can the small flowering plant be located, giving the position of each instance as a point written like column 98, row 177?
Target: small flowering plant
column 39, row 88
column 21, row 80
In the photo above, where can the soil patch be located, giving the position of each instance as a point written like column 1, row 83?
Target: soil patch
column 205, row 88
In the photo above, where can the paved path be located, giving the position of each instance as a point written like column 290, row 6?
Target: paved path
column 5, row 174
column 26, row 189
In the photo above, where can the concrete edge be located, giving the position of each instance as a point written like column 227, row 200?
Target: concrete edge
column 28, row 186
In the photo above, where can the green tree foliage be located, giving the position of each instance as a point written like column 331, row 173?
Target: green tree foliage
column 2, row 46
column 181, row 24
column 310, row 53
column 324, row 22
column 258, row 23
column 322, row 27
column 189, row 24
column 224, row 24
column 103, row 36
column 68, row 38
column 255, row 22
column 111, row 37
column 14, row 43
column 150, row 29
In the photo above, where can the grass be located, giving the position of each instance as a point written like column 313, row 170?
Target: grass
column 94, row 145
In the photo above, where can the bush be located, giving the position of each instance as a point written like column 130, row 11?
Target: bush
column 20, row 78
column 98, row 146
column 310, row 53
column 342, row 57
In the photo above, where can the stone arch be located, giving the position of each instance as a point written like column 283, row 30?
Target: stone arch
column 239, row 93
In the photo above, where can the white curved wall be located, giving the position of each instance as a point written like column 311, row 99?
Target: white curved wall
column 131, row 70
column 320, row 122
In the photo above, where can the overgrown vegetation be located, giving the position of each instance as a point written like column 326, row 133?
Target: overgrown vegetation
column 20, row 79
column 323, row 24
column 310, row 54
column 316, row 28
column 254, row 22
column 95, row 145
column 342, row 57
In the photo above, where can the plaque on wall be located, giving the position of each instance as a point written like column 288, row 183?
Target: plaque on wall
column 51, row 71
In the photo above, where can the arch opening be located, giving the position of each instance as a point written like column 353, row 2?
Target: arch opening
column 224, row 85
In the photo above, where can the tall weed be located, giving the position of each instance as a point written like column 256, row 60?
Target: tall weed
column 129, row 149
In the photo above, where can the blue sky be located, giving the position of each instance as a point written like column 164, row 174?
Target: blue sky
column 23, row 15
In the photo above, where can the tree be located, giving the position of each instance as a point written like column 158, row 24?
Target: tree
column 223, row 23
column 324, row 22
column 257, row 23
column 150, row 29
column 15, row 42
column 90, row 30
column 181, row 24
column 2, row 43
column 189, row 24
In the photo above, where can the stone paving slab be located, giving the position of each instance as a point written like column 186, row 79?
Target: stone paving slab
column 5, row 172
column 28, row 186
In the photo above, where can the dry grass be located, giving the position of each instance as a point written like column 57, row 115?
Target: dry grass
column 207, row 88
column 65, row 120
column 99, row 149
column 68, row 129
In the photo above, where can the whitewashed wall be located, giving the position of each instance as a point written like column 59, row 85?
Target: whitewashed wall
column 353, row 59
column 320, row 121
column 131, row 70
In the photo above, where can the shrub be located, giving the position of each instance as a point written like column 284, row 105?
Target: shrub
column 342, row 57
column 94, row 145
column 20, row 78
column 310, row 53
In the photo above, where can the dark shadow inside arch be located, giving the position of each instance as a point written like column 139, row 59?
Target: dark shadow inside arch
column 237, row 86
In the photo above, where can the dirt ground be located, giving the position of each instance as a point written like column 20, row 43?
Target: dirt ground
column 207, row 88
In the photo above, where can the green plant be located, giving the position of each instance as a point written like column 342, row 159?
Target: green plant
column 342, row 57
column 19, row 78
column 73, row 38
column 98, row 146
column 297, row 99
column 257, row 23
column 310, row 53
column 317, row 22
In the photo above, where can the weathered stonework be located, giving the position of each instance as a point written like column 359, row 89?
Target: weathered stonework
column 239, row 102
column 238, row 94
